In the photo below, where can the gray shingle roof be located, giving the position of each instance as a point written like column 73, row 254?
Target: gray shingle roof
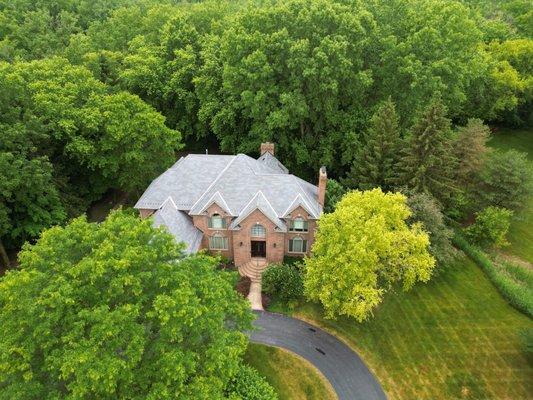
column 259, row 202
column 179, row 224
column 239, row 184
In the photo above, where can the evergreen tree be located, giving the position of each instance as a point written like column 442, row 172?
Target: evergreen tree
column 375, row 162
column 428, row 163
column 470, row 149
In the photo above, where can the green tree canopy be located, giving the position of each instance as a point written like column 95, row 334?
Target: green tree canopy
column 506, row 181
column 114, row 311
column 361, row 249
column 292, row 72
column 77, row 136
column 490, row 228
column 426, row 210
column 376, row 160
column 428, row 162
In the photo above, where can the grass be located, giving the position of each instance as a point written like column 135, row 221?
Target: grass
column 513, row 281
column 453, row 338
column 292, row 377
column 521, row 232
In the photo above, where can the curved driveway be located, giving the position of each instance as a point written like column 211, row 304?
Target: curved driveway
column 341, row 366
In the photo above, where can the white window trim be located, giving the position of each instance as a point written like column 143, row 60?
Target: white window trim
column 210, row 222
column 302, row 240
column 304, row 222
column 258, row 236
column 225, row 242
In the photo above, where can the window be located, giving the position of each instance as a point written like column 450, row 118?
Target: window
column 298, row 225
column 218, row 242
column 217, row 222
column 297, row 245
column 258, row 230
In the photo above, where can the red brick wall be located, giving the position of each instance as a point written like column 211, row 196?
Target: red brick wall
column 275, row 246
column 202, row 223
column 309, row 235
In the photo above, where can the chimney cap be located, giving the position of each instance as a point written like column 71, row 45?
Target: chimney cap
column 323, row 170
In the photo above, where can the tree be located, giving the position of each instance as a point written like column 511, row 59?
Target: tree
column 428, row 164
column 29, row 199
column 506, row 180
column 284, row 281
column 361, row 249
column 84, row 136
column 470, row 149
column 490, row 227
column 376, row 159
column 334, row 192
column 292, row 72
column 115, row 311
column 426, row 210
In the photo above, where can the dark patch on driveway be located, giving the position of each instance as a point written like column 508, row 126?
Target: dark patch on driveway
column 342, row 367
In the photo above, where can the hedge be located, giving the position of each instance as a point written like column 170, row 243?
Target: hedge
column 513, row 285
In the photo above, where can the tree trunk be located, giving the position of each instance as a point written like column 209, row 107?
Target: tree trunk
column 3, row 255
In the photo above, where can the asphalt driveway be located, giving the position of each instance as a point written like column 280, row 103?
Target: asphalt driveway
column 344, row 369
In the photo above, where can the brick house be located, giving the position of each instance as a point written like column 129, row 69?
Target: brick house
column 238, row 206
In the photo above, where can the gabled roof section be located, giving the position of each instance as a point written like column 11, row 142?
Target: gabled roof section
column 217, row 199
column 185, row 181
column 259, row 202
column 299, row 201
column 233, row 183
column 272, row 162
column 179, row 224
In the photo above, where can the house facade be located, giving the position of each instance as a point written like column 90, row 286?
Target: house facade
column 243, row 208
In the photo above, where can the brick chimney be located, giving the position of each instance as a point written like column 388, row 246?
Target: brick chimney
column 267, row 147
column 322, row 182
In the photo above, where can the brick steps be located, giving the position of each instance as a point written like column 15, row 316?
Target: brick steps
column 253, row 269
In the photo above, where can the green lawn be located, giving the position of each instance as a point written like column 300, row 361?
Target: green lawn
column 521, row 232
column 292, row 376
column 452, row 338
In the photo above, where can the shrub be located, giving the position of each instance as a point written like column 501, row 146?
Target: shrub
column 283, row 281
column 490, row 228
column 249, row 385
column 516, row 291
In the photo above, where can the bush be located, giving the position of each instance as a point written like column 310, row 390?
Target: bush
column 515, row 290
column 490, row 228
column 283, row 281
column 249, row 385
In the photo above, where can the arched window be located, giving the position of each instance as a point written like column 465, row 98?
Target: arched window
column 298, row 224
column 218, row 242
column 297, row 245
column 217, row 222
column 258, row 230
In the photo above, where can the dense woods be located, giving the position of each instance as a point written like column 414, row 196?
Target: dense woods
column 99, row 95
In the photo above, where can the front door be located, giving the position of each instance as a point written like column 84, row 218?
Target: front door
column 258, row 248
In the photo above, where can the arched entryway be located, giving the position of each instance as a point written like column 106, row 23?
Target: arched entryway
column 258, row 241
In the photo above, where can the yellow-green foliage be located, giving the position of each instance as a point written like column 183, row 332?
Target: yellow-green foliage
column 361, row 249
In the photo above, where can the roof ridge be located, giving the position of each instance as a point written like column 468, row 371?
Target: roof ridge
column 304, row 192
column 214, row 181
column 171, row 200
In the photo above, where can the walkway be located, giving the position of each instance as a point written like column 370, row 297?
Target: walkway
column 253, row 270
column 344, row 369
